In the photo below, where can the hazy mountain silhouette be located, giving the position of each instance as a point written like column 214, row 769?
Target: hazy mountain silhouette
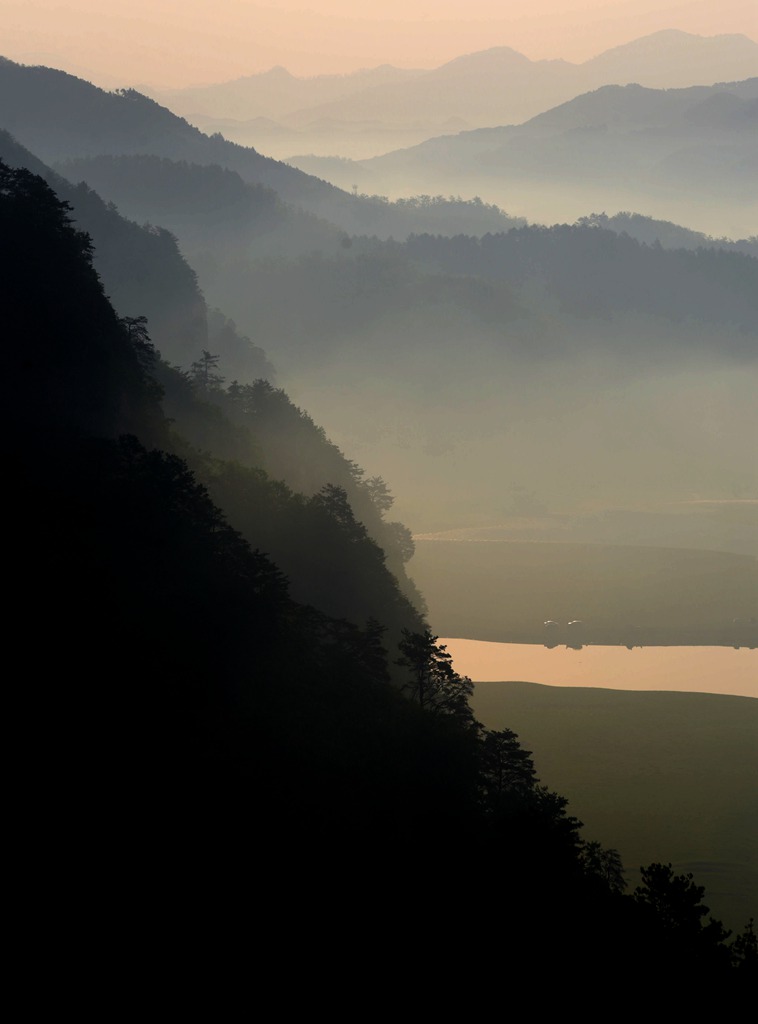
column 208, row 207
column 213, row 211
column 673, row 59
column 615, row 130
column 491, row 87
column 145, row 274
column 424, row 356
column 276, row 93
column 627, row 147
column 60, row 118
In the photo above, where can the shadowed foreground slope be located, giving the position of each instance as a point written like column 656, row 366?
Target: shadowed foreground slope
column 190, row 739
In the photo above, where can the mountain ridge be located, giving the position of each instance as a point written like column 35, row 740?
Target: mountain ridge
column 495, row 86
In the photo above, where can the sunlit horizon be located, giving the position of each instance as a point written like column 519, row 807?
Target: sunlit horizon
column 169, row 44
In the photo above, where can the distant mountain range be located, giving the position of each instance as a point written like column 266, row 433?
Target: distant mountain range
column 360, row 114
column 125, row 142
column 611, row 148
column 623, row 131
column 618, row 146
column 438, row 355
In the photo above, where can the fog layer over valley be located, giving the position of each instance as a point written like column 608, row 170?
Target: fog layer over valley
column 584, row 371
column 689, row 155
column 526, row 371
column 241, row 404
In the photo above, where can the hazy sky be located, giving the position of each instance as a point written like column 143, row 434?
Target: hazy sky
column 182, row 42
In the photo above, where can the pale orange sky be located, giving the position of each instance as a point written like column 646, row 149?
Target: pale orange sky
column 183, row 42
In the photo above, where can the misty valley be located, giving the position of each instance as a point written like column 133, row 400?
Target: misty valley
column 389, row 501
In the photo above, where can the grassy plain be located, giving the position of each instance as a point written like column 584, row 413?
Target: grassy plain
column 657, row 775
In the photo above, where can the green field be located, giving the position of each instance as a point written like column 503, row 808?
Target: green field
column 657, row 775
column 504, row 590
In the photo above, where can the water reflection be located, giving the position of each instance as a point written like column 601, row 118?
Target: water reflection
column 630, row 667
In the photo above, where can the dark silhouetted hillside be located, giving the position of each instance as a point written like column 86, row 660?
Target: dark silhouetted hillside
column 145, row 274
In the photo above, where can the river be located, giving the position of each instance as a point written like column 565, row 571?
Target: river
column 691, row 669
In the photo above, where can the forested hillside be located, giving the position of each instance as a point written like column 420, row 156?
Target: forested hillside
column 145, row 274
column 187, row 641
column 187, row 718
column 564, row 354
column 57, row 115
column 61, row 118
column 670, row 236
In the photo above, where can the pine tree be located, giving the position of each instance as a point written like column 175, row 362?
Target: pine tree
column 433, row 682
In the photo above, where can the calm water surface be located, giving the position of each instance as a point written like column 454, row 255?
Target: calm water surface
column 698, row 669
